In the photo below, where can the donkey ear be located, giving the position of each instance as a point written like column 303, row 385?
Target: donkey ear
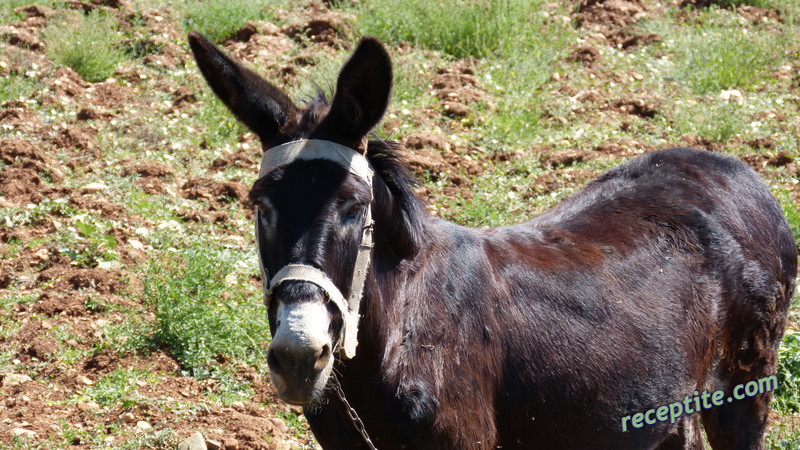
column 257, row 103
column 362, row 93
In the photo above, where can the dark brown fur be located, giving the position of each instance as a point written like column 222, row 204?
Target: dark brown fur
column 669, row 274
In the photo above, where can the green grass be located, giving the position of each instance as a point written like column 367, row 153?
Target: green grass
column 219, row 19
column 89, row 45
column 117, row 387
column 714, row 121
column 792, row 213
column 758, row 3
column 198, row 317
column 466, row 29
column 710, row 60
column 15, row 87
column 519, row 42
column 787, row 398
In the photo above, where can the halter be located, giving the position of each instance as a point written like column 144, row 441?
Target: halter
column 357, row 164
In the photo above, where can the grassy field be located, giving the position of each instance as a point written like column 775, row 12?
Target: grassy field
column 130, row 303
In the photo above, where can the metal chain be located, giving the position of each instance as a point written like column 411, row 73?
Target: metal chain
column 357, row 423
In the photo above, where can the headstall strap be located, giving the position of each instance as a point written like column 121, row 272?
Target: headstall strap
column 357, row 164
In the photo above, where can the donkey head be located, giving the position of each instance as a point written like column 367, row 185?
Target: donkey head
column 314, row 215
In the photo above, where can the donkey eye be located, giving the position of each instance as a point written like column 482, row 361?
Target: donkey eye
column 353, row 211
column 267, row 213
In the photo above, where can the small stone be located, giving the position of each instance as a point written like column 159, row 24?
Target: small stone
column 238, row 405
column 195, row 442
column 732, row 95
column 88, row 406
column 23, row 433
column 278, row 425
column 128, row 417
column 92, row 188
column 231, row 444
column 4, row 203
column 142, row 425
column 83, row 379
column 214, row 445
column 15, row 379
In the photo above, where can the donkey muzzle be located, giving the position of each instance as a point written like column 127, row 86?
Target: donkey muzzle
column 300, row 356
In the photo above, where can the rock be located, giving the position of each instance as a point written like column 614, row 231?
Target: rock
column 83, row 379
column 237, row 405
column 23, row 433
column 231, row 444
column 15, row 379
column 195, row 442
column 88, row 406
column 732, row 95
column 128, row 417
column 214, row 445
column 142, row 425
column 278, row 425
column 92, row 188
column 5, row 203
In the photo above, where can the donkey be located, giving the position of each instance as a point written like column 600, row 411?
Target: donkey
column 666, row 277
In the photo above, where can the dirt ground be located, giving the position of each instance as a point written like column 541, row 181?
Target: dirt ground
column 38, row 155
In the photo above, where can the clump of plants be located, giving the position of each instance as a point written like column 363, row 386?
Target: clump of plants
column 88, row 44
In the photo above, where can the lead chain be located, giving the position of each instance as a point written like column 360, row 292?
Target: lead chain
column 357, row 423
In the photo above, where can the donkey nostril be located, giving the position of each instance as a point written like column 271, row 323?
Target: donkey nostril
column 301, row 361
column 324, row 357
column 273, row 362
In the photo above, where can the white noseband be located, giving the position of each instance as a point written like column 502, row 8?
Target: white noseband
column 357, row 164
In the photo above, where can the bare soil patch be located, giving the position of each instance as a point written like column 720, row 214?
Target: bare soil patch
column 613, row 21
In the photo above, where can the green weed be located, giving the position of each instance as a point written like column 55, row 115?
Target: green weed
column 792, row 213
column 715, row 122
column 88, row 243
column 220, row 126
column 117, row 387
column 8, row 301
column 34, row 214
column 758, row 3
column 198, row 317
column 230, row 388
column 163, row 438
column 783, row 436
column 297, row 426
column 219, row 19
column 134, row 334
column 787, row 397
column 463, row 31
column 710, row 60
column 89, row 45
column 14, row 87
